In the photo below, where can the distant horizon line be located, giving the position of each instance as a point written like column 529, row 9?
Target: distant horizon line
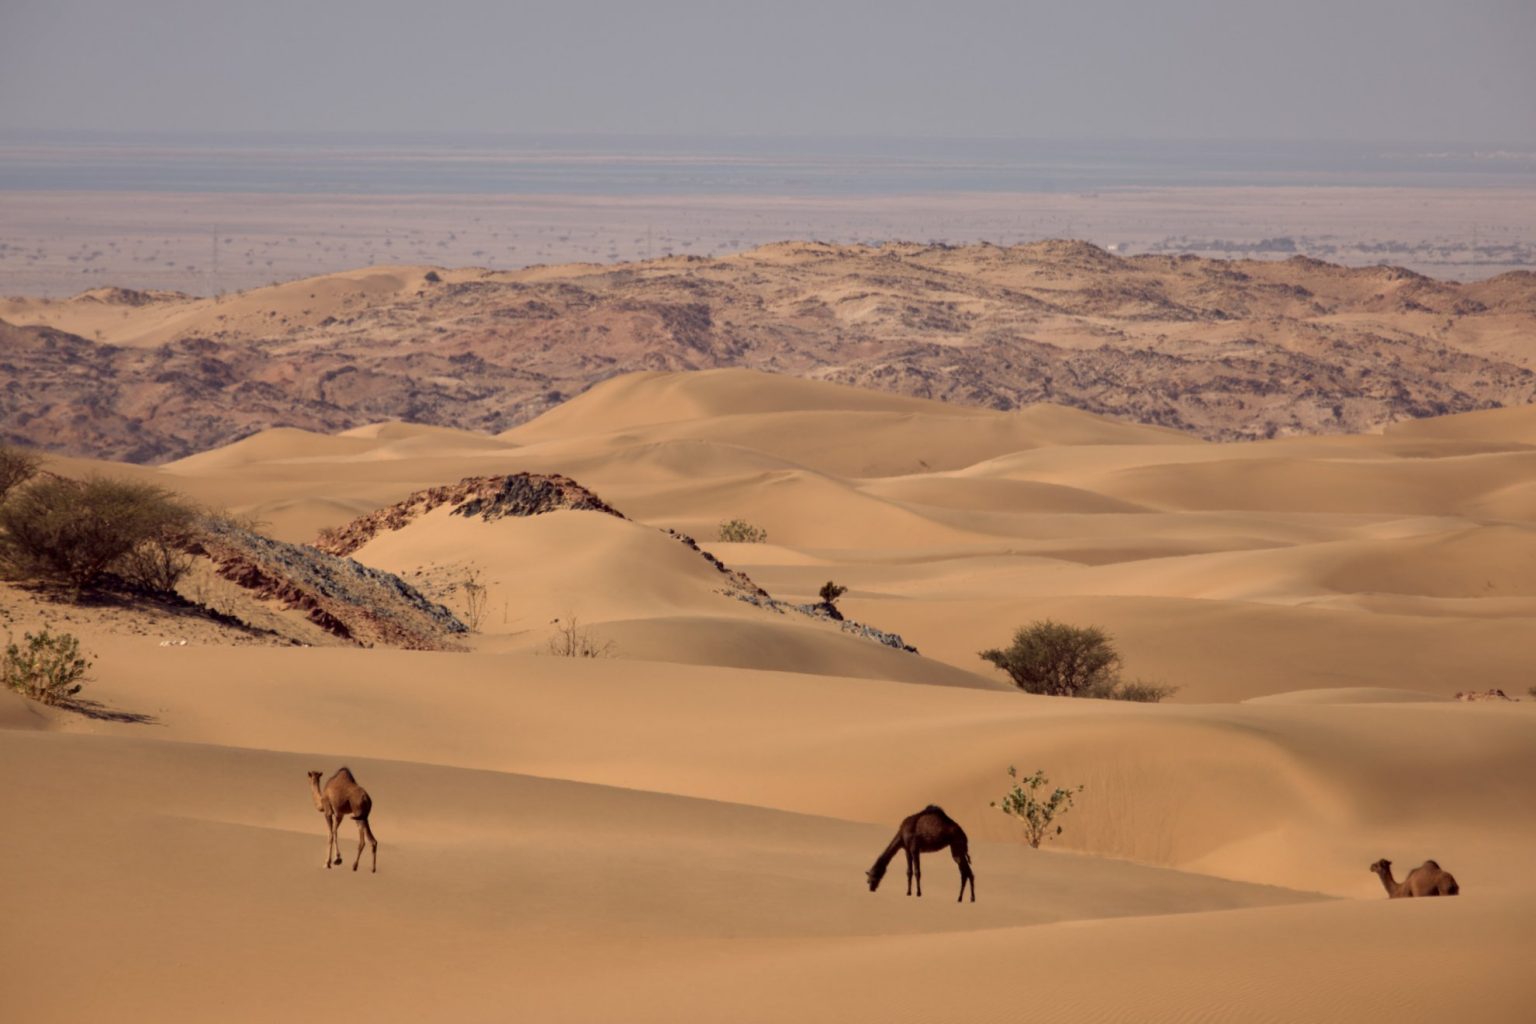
column 195, row 136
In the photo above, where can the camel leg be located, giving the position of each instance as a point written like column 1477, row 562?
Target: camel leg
column 909, row 871
column 373, row 845
column 966, row 875
column 365, row 834
column 336, row 840
column 330, row 837
column 917, row 868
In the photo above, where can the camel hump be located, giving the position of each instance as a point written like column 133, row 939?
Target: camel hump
column 933, row 809
column 344, row 773
column 1433, row 866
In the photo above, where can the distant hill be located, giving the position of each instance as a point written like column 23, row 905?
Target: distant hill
column 1217, row 349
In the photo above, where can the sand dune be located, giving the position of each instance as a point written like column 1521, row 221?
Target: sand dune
column 680, row 829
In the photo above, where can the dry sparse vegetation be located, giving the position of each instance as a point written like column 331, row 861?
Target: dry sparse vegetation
column 573, row 640
column 474, row 598
column 16, row 468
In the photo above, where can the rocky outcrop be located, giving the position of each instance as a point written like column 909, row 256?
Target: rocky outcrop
column 349, row 601
column 480, row 497
column 1223, row 349
column 819, row 610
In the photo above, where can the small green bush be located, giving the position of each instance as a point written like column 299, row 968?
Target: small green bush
column 45, row 667
column 1023, row 802
column 739, row 531
column 77, row 533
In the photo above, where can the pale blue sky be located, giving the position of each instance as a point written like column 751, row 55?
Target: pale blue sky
column 1459, row 71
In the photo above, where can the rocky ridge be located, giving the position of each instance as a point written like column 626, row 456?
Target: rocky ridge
column 531, row 494
column 1225, row 350
column 484, row 497
column 346, row 600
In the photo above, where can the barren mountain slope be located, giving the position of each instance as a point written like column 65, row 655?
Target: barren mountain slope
column 1224, row 350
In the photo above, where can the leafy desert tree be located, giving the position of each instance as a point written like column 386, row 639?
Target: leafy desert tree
column 1058, row 660
column 1024, row 801
column 77, row 533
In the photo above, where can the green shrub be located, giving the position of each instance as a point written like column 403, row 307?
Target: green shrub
column 1058, row 660
column 45, row 667
column 77, row 533
column 1023, row 802
column 739, row 531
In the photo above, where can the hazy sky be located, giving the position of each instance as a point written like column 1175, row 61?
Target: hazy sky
column 1430, row 70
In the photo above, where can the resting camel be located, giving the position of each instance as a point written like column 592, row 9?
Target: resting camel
column 1428, row 879
column 340, row 797
column 927, row 831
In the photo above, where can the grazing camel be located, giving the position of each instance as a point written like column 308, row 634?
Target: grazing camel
column 927, row 831
column 1428, row 879
column 340, row 797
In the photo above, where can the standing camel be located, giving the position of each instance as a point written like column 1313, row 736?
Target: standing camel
column 340, row 797
column 927, row 831
column 1428, row 879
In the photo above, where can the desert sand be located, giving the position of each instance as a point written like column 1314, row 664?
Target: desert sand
column 679, row 830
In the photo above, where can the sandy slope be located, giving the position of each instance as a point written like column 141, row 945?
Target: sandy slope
column 680, row 830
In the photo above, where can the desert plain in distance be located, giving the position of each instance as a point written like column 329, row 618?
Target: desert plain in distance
column 680, row 830
column 58, row 243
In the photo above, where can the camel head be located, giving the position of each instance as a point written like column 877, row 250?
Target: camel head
column 316, row 793
column 1383, row 867
column 874, row 875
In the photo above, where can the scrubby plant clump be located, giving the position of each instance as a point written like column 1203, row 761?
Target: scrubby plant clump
column 1038, row 813
column 16, row 468
column 1058, row 660
column 77, row 533
column 45, row 667
column 739, row 531
column 573, row 640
